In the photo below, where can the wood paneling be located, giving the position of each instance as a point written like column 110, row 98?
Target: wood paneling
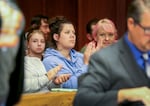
column 67, row 8
column 79, row 12
column 88, row 9
column 31, row 8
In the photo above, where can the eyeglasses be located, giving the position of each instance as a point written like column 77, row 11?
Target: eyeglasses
column 146, row 29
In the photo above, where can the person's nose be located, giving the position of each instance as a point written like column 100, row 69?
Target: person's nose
column 106, row 37
column 48, row 30
column 73, row 35
column 39, row 43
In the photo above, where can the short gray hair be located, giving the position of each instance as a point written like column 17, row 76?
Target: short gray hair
column 137, row 8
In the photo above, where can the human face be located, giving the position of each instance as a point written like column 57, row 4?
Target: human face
column 67, row 37
column 138, row 35
column 36, row 44
column 45, row 29
column 105, row 38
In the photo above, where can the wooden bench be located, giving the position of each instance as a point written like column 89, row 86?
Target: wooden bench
column 47, row 99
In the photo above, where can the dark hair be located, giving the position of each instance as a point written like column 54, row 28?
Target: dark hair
column 136, row 8
column 36, row 21
column 89, row 25
column 56, row 25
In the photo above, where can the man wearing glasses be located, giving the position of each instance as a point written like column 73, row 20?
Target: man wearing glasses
column 117, row 74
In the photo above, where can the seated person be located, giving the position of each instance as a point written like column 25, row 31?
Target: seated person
column 104, row 33
column 61, row 51
column 36, row 77
column 116, row 74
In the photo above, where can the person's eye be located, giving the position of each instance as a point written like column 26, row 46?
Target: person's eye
column 42, row 41
column 102, row 34
column 111, row 35
column 74, row 32
column 67, row 32
column 34, row 41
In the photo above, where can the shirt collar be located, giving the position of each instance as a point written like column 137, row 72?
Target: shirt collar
column 136, row 52
column 133, row 48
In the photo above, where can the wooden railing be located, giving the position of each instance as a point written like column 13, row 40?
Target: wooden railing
column 47, row 99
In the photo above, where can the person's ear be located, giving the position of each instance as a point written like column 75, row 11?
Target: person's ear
column 89, row 37
column 56, row 37
column 27, row 44
column 130, row 23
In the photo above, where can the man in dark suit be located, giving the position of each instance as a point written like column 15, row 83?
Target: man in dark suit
column 116, row 74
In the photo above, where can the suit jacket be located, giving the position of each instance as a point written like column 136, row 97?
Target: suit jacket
column 110, row 69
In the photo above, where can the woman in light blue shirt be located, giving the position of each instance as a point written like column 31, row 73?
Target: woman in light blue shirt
column 61, row 51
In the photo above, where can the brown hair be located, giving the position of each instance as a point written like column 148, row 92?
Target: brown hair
column 31, row 32
column 56, row 25
column 136, row 8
